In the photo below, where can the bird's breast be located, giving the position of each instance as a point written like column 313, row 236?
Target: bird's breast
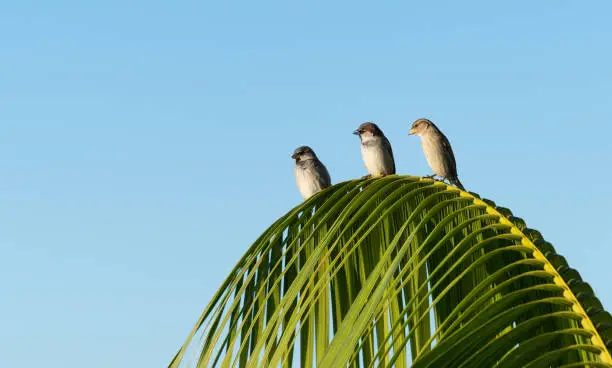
column 307, row 180
column 435, row 156
column 376, row 158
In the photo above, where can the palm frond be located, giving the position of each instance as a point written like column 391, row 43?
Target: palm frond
column 400, row 271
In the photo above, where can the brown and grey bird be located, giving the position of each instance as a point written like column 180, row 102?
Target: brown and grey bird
column 375, row 150
column 438, row 151
column 311, row 175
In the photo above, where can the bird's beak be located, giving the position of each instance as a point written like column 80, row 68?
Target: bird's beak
column 294, row 156
column 412, row 131
column 357, row 132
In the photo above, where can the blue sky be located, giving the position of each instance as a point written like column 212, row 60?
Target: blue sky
column 135, row 136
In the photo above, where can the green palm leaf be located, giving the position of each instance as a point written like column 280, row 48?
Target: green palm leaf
column 400, row 271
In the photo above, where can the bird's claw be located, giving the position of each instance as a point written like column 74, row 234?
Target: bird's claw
column 432, row 176
column 366, row 176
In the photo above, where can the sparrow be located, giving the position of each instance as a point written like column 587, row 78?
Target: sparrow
column 311, row 175
column 375, row 150
column 438, row 151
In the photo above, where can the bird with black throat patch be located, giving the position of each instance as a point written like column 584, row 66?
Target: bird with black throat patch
column 376, row 150
column 311, row 176
column 437, row 150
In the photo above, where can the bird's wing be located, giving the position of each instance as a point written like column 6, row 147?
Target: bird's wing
column 322, row 174
column 448, row 152
column 387, row 146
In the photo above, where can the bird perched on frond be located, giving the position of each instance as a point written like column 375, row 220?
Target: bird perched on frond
column 311, row 175
column 438, row 151
column 375, row 150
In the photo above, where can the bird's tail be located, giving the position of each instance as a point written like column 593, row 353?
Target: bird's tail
column 457, row 183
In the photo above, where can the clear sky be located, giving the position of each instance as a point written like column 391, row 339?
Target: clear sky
column 145, row 144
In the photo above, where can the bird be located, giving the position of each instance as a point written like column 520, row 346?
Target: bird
column 376, row 150
column 311, row 175
column 438, row 151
